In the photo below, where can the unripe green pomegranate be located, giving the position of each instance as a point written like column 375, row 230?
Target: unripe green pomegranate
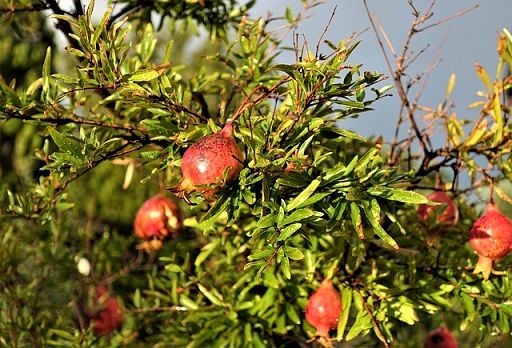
column 205, row 162
column 491, row 238
column 156, row 219
column 440, row 338
column 324, row 308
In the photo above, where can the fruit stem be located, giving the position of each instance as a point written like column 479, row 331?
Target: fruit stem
column 484, row 265
column 323, row 339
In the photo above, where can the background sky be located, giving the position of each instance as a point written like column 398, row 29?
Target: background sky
column 465, row 41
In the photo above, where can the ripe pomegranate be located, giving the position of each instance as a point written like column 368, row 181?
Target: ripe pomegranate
column 108, row 316
column 324, row 308
column 158, row 217
column 446, row 212
column 205, row 162
column 440, row 338
column 491, row 238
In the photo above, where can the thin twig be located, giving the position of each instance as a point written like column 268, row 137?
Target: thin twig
column 446, row 19
column 398, row 84
column 325, row 31
column 73, row 119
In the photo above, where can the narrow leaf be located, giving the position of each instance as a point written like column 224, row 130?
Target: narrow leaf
column 149, row 73
column 303, row 195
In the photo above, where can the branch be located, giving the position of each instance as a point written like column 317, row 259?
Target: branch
column 446, row 19
column 398, row 83
column 247, row 102
column 29, row 8
column 72, row 119
column 79, row 9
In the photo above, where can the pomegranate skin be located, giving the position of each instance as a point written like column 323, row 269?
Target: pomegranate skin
column 110, row 317
column 205, row 161
column 440, row 338
column 324, row 308
column 158, row 217
column 491, row 238
column 450, row 214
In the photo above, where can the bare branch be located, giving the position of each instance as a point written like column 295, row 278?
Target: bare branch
column 446, row 19
column 325, row 31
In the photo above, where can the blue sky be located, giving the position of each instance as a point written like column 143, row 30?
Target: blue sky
column 465, row 41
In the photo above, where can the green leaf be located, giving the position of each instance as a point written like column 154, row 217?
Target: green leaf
column 504, row 307
column 46, row 71
column 65, row 143
column 215, row 299
column 313, row 199
column 346, row 302
column 101, row 26
column 355, row 215
column 148, row 74
column 289, row 230
column 261, row 254
column 470, row 307
column 267, row 221
column 361, row 326
column 351, row 135
column 298, row 215
column 301, row 198
column 309, row 264
column 285, row 267
column 293, row 253
column 372, row 212
column 360, row 167
column 206, row 251
column 136, row 298
column 187, row 302
column 292, row 313
column 173, row 268
column 219, row 207
column 397, row 194
column 449, row 87
column 477, row 133
column 248, row 332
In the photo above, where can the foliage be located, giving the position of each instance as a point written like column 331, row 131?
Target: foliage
column 313, row 201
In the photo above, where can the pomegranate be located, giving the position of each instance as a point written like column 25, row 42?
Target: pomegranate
column 491, row 238
column 158, row 217
column 205, row 162
column 446, row 212
column 108, row 316
column 440, row 338
column 324, row 308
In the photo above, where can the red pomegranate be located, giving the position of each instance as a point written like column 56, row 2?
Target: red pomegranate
column 108, row 316
column 205, row 162
column 440, row 338
column 324, row 308
column 157, row 218
column 446, row 212
column 491, row 238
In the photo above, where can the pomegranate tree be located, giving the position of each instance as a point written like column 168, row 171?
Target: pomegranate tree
column 156, row 219
column 440, row 338
column 107, row 316
column 206, row 161
column 324, row 308
column 446, row 212
column 491, row 238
